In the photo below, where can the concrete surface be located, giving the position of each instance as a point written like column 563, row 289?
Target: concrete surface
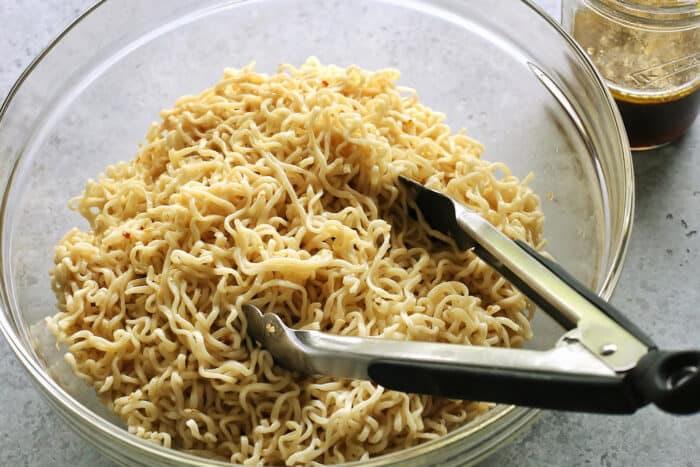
column 659, row 285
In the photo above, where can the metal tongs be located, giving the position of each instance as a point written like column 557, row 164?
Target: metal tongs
column 603, row 363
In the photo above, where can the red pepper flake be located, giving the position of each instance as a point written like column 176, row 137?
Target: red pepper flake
column 140, row 227
column 126, row 234
column 325, row 83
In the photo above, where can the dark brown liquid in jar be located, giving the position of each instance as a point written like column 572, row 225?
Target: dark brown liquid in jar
column 651, row 122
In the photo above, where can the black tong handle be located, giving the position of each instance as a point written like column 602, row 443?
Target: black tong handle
column 556, row 391
column 668, row 379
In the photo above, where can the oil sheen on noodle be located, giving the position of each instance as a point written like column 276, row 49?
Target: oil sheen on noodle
column 281, row 190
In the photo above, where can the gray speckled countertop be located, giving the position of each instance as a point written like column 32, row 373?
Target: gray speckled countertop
column 660, row 280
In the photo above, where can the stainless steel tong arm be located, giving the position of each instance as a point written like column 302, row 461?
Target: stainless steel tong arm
column 318, row 353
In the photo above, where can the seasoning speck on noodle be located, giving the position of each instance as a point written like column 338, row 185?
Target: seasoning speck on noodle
column 282, row 191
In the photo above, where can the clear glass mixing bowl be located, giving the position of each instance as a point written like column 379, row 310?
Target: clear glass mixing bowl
column 501, row 69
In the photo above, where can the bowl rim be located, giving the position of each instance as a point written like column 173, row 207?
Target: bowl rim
column 88, row 422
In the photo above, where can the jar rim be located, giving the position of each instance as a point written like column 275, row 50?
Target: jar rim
column 673, row 12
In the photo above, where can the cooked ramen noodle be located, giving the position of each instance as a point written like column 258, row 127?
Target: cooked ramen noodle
column 282, row 191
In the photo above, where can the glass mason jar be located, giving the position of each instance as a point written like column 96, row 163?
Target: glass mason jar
column 648, row 51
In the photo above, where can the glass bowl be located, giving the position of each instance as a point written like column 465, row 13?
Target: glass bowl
column 501, row 69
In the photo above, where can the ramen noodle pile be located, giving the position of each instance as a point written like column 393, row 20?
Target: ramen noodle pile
column 282, row 191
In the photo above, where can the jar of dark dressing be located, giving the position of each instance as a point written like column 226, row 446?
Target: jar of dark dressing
column 648, row 51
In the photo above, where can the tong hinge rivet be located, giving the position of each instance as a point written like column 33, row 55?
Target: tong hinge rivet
column 608, row 349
